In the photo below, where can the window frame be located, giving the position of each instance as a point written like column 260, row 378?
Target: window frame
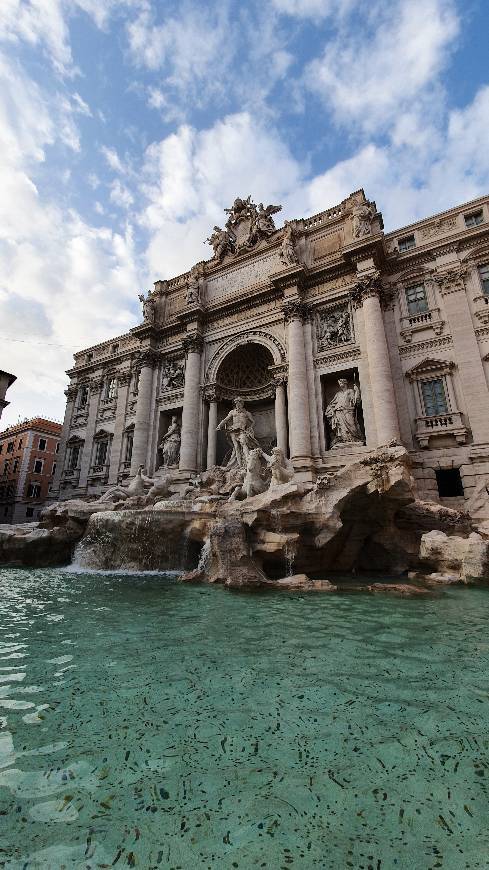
column 38, row 470
column 404, row 243
column 474, row 215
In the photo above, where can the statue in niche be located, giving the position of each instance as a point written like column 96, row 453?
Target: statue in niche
column 172, row 376
column 334, row 327
column 149, row 307
column 288, row 253
column 342, row 415
column 238, row 425
column 193, row 287
column 170, row 444
column 362, row 217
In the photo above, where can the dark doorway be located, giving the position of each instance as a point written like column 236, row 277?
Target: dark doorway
column 449, row 483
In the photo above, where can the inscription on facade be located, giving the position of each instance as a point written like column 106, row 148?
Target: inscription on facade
column 244, row 276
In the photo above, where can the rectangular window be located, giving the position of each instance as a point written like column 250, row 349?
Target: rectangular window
column 38, row 464
column 16, row 465
column 6, row 466
column 83, row 397
column 434, row 398
column 416, row 299
column 101, row 452
column 74, row 457
column 34, row 490
column 484, row 276
column 128, row 454
column 53, row 470
column 29, row 512
column 10, row 446
column 111, row 388
column 474, row 219
column 1, row 448
column 57, row 448
column 406, row 243
column 42, row 443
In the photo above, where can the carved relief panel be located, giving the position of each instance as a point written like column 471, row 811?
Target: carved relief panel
column 334, row 326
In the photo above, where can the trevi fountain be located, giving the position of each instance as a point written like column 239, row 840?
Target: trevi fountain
column 250, row 628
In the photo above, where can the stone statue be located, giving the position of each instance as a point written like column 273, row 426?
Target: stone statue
column 263, row 222
column 149, row 308
column 222, row 243
column 246, row 225
column 193, row 286
column 172, row 376
column 254, row 480
column 170, row 443
column 341, row 415
column 288, row 254
column 281, row 468
column 362, row 217
column 238, row 424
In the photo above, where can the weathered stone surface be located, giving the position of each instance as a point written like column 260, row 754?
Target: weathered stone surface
column 406, row 590
column 467, row 558
column 301, row 582
column 30, row 545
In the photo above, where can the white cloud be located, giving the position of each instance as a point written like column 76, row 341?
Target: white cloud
column 370, row 78
column 112, row 158
column 120, row 195
column 79, row 280
column 191, row 176
column 313, row 8
column 412, row 182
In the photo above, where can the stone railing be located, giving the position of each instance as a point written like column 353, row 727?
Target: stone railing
column 71, row 475
column 98, row 474
column 411, row 323
column 450, row 423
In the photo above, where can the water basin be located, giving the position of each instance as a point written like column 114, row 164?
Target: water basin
column 148, row 724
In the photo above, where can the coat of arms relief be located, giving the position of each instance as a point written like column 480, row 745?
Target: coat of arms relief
column 247, row 224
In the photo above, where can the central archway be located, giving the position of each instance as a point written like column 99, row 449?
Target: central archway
column 245, row 371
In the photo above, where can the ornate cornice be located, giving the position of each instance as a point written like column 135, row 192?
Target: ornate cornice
column 324, row 359
column 295, row 309
column 421, row 346
column 71, row 392
column 193, row 344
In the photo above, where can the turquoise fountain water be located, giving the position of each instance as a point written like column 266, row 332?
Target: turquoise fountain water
column 153, row 725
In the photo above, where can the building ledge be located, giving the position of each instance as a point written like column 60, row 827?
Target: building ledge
column 443, row 424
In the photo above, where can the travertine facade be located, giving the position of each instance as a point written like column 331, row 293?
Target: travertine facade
column 338, row 337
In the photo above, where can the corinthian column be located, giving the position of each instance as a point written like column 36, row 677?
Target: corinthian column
column 368, row 294
column 71, row 393
column 96, row 387
column 123, row 380
column 299, row 421
column 211, row 397
column 148, row 361
column 191, row 404
column 281, row 413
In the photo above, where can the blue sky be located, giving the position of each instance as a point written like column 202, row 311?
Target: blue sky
column 126, row 126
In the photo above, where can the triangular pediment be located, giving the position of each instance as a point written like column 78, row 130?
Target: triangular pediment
column 428, row 366
column 102, row 433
